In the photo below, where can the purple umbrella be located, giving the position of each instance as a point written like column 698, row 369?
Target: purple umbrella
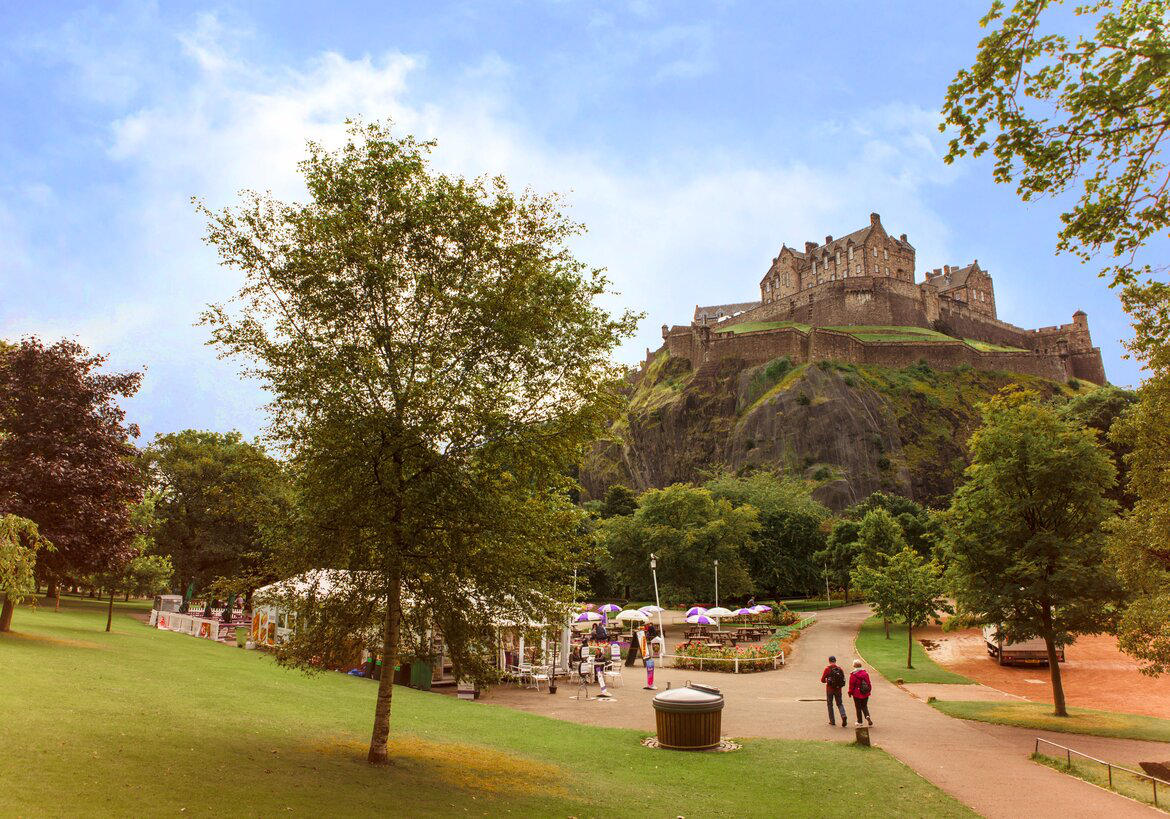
column 760, row 609
column 693, row 610
column 700, row 620
column 587, row 617
column 744, row 612
column 609, row 608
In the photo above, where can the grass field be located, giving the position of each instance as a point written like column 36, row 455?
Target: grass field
column 889, row 656
column 753, row 326
column 1123, row 782
column 1038, row 715
column 147, row 722
column 813, row 604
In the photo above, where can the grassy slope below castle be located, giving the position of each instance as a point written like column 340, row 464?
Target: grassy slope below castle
column 143, row 722
column 873, row 333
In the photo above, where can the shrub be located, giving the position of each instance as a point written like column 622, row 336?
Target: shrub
column 803, row 399
column 1074, row 383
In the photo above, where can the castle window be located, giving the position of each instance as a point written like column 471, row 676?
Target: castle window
column 851, row 253
column 885, row 253
column 875, row 252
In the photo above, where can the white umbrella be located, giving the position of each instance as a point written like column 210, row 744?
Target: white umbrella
column 693, row 610
column 700, row 620
column 587, row 617
column 632, row 614
column 651, row 609
column 719, row 611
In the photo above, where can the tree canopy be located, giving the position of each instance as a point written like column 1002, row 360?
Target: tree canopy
column 437, row 364
column 687, row 528
column 908, row 588
column 1026, row 530
column 66, row 460
column 1056, row 110
column 19, row 543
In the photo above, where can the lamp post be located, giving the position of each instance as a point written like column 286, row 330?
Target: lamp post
column 716, row 584
column 657, row 604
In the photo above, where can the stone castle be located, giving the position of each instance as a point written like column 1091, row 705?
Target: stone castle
column 840, row 300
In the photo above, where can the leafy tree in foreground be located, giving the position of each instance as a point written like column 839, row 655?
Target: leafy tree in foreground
column 908, row 588
column 215, row 495
column 1025, row 531
column 1056, row 110
column 878, row 537
column 437, row 365
column 688, row 529
column 1100, row 410
column 19, row 543
column 1141, row 537
column 66, row 461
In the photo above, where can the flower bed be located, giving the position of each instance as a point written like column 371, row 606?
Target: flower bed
column 694, row 654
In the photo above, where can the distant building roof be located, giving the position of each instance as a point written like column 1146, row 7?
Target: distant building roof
column 953, row 278
column 719, row 311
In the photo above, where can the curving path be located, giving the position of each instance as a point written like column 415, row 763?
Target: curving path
column 984, row 766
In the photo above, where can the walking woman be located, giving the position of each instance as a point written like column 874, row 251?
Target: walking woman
column 860, row 688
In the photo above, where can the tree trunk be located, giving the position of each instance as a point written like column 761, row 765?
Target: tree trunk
column 127, row 600
column 1053, row 666
column 886, row 623
column 909, row 644
column 57, row 605
column 6, row 614
column 53, row 590
column 110, row 613
column 379, row 740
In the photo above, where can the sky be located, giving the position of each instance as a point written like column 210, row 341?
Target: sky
column 692, row 139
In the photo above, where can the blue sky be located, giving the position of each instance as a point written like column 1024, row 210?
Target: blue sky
column 692, row 139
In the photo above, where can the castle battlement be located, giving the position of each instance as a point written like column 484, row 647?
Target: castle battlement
column 867, row 278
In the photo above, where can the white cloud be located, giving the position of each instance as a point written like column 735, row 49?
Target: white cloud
column 674, row 233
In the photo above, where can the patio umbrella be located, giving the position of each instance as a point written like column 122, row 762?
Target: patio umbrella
column 651, row 609
column 760, row 609
column 719, row 611
column 744, row 612
column 587, row 606
column 693, row 610
column 587, row 617
column 609, row 608
column 700, row 620
column 632, row 614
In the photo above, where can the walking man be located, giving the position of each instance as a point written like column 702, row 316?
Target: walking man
column 834, row 679
column 860, row 687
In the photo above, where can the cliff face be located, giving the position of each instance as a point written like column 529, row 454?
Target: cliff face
column 854, row 428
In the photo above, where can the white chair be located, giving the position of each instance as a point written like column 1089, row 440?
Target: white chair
column 585, row 675
column 613, row 669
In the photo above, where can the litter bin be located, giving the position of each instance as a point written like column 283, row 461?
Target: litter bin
column 689, row 718
column 420, row 676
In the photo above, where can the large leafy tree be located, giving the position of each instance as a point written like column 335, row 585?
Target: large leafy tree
column 437, row 364
column 215, row 497
column 840, row 554
column 792, row 530
column 19, row 543
column 1101, row 409
column 688, row 529
column 1026, row 530
column 907, row 587
column 1058, row 110
column 66, row 458
column 914, row 519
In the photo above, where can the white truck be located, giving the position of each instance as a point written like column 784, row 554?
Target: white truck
column 1007, row 652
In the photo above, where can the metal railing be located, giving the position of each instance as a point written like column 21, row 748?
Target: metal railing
column 1109, row 766
column 777, row 660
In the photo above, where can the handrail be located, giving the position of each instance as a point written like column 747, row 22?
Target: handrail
column 1109, row 766
column 737, row 660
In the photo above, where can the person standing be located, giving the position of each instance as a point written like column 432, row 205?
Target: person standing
column 860, row 687
column 834, row 679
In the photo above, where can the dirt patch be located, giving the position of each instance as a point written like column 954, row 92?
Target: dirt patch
column 470, row 767
column 54, row 641
column 1095, row 675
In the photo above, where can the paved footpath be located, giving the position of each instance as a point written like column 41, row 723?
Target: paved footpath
column 984, row 766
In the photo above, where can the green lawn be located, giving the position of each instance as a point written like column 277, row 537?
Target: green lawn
column 753, row 326
column 1039, row 716
column 889, row 656
column 988, row 347
column 1123, row 782
column 147, row 722
column 814, row 604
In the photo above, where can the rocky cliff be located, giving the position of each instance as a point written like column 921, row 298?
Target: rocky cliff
column 855, row 429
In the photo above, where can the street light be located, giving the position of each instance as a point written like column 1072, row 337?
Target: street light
column 657, row 604
column 716, row 583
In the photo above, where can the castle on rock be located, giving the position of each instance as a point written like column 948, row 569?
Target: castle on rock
column 857, row 299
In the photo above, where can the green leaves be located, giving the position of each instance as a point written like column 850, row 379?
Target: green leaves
column 1054, row 111
column 19, row 543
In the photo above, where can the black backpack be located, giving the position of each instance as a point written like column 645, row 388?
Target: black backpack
column 836, row 677
column 863, row 686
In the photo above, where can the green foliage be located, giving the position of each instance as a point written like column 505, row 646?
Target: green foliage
column 1140, row 541
column 1055, row 110
column 767, row 377
column 753, row 326
column 905, row 588
column 687, row 528
column 1100, row 409
column 878, row 537
column 1025, row 532
column 619, row 500
column 437, row 363
column 791, row 529
column 215, row 498
column 19, row 543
